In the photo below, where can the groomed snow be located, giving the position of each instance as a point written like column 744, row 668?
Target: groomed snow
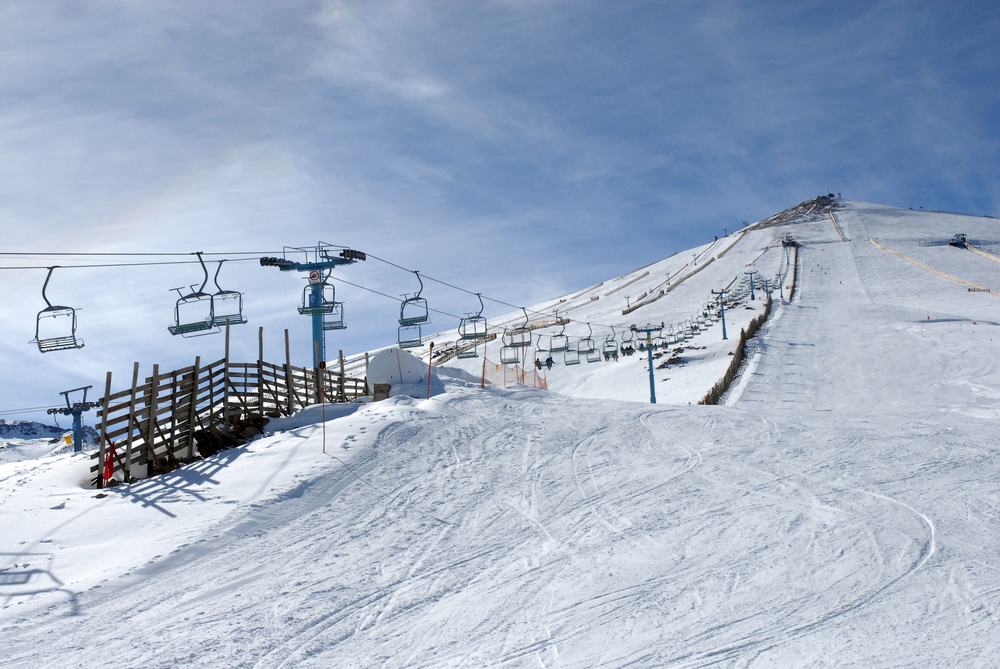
column 842, row 510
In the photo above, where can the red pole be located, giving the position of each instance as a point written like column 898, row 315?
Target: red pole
column 430, row 361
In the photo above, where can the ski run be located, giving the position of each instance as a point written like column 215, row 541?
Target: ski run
column 840, row 508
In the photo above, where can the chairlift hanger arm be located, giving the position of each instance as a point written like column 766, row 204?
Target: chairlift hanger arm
column 204, row 269
column 46, row 285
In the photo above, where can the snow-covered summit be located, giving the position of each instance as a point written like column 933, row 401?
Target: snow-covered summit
column 29, row 429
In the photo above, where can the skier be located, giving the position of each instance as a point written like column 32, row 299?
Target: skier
column 549, row 362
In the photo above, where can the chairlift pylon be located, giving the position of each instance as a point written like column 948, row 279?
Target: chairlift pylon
column 473, row 326
column 55, row 336
column 413, row 310
column 190, row 317
column 227, row 305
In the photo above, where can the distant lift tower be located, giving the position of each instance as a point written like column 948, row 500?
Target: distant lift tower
column 318, row 299
column 649, row 330
column 722, row 308
column 74, row 409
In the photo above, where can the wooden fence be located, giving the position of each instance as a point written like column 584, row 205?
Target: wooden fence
column 179, row 416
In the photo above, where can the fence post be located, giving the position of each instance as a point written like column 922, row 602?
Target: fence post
column 193, row 411
column 260, row 371
column 225, row 385
column 131, row 419
column 343, row 391
column 104, row 433
column 288, row 375
column 366, row 373
column 151, row 421
column 172, row 442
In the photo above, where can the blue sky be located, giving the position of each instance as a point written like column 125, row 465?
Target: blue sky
column 524, row 149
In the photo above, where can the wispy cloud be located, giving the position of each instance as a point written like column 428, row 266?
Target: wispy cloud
column 518, row 148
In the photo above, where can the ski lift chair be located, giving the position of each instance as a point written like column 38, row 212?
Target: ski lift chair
column 540, row 350
column 227, row 305
column 587, row 348
column 473, row 326
column 335, row 319
column 194, row 313
column 413, row 310
column 571, row 357
column 471, row 352
column 559, row 341
column 628, row 347
column 55, row 328
column 318, row 299
column 508, row 355
column 610, row 347
column 518, row 336
column 409, row 336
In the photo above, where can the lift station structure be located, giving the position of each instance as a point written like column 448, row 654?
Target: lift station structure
column 319, row 297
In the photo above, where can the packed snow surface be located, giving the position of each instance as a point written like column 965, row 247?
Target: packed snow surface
column 843, row 508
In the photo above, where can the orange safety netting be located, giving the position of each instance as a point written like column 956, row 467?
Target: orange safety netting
column 498, row 374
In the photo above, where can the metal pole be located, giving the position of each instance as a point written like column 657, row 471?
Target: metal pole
column 319, row 335
column 430, row 368
column 649, row 352
column 722, row 308
column 77, row 431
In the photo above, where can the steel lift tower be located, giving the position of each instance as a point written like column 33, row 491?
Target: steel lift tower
column 75, row 409
column 648, row 330
column 318, row 298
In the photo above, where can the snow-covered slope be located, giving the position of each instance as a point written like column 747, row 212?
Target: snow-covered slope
column 841, row 510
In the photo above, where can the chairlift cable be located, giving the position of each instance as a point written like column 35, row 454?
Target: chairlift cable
column 123, row 255
column 254, row 258
column 7, row 412
column 134, row 264
column 486, row 297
